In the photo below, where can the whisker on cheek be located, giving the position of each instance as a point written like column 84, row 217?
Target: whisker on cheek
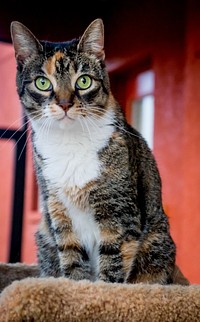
column 14, row 133
column 103, row 116
column 80, row 120
column 85, row 123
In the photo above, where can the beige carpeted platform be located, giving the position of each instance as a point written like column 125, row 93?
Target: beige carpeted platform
column 60, row 299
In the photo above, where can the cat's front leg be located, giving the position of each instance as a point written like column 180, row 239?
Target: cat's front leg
column 110, row 256
column 73, row 258
column 47, row 255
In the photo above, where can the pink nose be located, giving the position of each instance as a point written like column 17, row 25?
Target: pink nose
column 65, row 106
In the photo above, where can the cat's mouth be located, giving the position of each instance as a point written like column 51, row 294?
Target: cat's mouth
column 66, row 117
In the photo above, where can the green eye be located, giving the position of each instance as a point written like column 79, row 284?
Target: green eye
column 83, row 82
column 43, row 83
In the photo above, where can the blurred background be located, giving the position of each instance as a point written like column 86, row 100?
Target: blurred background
column 153, row 58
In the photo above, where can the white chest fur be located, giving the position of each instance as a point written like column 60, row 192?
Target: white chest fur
column 71, row 155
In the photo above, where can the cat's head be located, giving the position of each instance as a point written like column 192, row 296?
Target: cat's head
column 63, row 82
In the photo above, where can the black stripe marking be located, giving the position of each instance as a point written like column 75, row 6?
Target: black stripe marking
column 108, row 249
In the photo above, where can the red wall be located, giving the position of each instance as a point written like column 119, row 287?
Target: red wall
column 190, row 250
column 9, row 117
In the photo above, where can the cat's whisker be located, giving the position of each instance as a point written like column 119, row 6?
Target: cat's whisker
column 28, row 137
column 10, row 138
column 97, row 108
column 36, row 115
column 92, row 122
column 85, row 122
column 103, row 117
column 21, row 136
column 125, row 131
column 14, row 133
column 80, row 120
column 96, row 126
column 81, row 116
column 11, row 125
column 49, row 127
column 42, row 128
column 97, row 119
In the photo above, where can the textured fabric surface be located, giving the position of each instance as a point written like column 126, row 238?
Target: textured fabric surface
column 50, row 299
column 60, row 299
column 18, row 271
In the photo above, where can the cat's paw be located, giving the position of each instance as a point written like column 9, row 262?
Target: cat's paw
column 108, row 278
column 79, row 275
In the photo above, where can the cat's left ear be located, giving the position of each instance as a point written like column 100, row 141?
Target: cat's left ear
column 92, row 40
column 24, row 42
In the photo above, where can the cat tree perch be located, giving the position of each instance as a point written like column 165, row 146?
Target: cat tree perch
column 25, row 297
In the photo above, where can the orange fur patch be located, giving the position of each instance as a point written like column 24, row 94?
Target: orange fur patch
column 109, row 235
column 128, row 250
column 56, row 209
column 66, row 239
column 58, row 214
column 79, row 196
column 70, row 242
column 117, row 137
column 51, row 62
column 150, row 278
column 147, row 244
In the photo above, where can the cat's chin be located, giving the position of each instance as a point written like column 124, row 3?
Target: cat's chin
column 65, row 123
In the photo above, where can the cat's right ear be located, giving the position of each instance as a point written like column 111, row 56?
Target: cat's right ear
column 24, row 42
column 92, row 40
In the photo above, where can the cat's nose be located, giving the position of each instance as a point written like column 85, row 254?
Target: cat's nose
column 65, row 105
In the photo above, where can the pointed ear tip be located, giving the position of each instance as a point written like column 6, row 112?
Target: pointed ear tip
column 100, row 21
column 97, row 21
column 14, row 24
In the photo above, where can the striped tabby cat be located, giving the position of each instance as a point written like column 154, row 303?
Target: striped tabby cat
column 100, row 189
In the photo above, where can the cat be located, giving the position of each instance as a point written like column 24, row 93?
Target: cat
column 99, row 183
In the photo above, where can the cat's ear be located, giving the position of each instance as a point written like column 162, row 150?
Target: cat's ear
column 24, row 42
column 92, row 40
